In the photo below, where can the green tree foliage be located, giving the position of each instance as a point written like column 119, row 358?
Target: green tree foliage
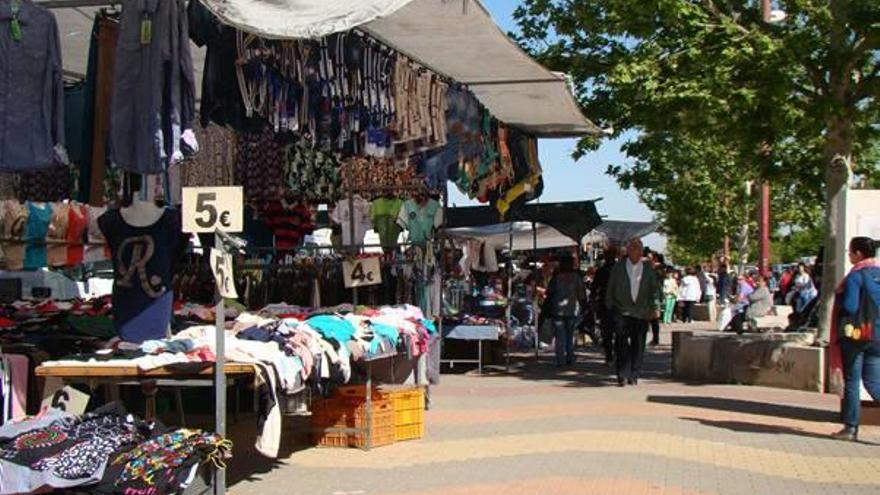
column 717, row 96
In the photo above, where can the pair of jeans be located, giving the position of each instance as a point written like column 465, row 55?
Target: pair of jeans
column 630, row 345
column 861, row 363
column 607, row 326
column 669, row 309
column 564, row 331
column 688, row 316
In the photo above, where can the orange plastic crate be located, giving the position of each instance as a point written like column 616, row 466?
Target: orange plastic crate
column 358, row 440
column 351, row 413
column 409, row 432
column 409, row 417
column 359, row 392
column 406, row 398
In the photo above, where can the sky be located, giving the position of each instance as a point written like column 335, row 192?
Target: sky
column 568, row 180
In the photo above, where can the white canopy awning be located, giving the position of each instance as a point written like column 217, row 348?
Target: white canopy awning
column 456, row 38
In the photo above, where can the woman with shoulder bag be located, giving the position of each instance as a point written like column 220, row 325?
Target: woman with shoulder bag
column 857, row 307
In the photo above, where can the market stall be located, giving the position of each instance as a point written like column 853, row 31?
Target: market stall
column 249, row 117
column 510, row 311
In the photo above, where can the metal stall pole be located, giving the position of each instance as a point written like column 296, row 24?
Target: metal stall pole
column 509, row 299
column 220, row 376
column 351, row 230
column 535, row 293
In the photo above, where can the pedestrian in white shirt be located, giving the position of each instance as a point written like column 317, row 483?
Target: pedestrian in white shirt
column 689, row 294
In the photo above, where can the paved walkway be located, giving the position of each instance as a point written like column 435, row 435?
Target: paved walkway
column 539, row 430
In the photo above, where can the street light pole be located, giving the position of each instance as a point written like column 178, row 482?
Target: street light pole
column 764, row 192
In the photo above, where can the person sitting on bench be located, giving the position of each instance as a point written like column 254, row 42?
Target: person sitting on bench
column 759, row 304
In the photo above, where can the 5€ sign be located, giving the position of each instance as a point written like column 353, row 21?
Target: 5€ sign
column 208, row 209
column 221, row 265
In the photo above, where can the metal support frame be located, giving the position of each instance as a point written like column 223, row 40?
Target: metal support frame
column 220, row 375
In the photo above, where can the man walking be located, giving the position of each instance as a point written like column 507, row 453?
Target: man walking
column 598, row 292
column 633, row 298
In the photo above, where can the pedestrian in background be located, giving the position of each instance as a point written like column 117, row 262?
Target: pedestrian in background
column 598, row 291
column 858, row 327
column 670, row 295
column 566, row 300
column 725, row 284
column 689, row 293
column 633, row 297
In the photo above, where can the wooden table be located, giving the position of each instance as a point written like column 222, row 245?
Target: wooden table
column 185, row 373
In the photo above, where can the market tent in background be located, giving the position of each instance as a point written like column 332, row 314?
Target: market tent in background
column 619, row 231
column 574, row 219
column 524, row 237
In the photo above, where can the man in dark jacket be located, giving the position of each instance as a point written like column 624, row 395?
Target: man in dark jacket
column 598, row 290
column 633, row 297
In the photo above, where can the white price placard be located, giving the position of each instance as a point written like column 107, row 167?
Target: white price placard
column 362, row 272
column 67, row 399
column 207, row 209
column 221, row 265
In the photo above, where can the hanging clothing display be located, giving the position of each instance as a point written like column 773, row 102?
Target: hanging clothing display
column 260, row 165
column 420, row 219
column 36, row 230
column 77, row 224
column 343, row 215
column 15, row 219
column 289, row 222
column 214, row 163
column 312, row 174
column 143, row 262
column 31, row 89
column 384, row 213
column 102, row 64
column 153, row 86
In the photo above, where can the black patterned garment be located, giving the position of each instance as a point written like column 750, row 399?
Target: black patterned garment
column 68, row 452
column 260, row 165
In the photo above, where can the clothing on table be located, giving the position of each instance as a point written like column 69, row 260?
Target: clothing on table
column 58, row 226
column 15, row 219
column 143, row 264
column 15, row 369
column 77, row 223
column 153, row 86
column 383, row 215
column 96, row 250
column 67, row 453
column 420, row 220
column 31, row 88
column 342, row 215
column 36, row 231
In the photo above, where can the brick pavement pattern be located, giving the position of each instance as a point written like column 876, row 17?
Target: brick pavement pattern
column 540, row 430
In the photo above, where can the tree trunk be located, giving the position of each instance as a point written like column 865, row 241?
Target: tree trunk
column 837, row 153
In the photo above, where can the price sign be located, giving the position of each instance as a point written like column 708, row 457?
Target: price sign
column 221, row 265
column 207, row 209
column 362, row 272
column 67, row 399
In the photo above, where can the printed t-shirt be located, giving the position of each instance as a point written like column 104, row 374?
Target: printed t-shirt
column 383, row 214
column 143, row 259
column 342, row 215
column 419, row 220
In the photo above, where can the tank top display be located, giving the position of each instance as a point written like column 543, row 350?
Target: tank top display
column 57, row 248
column 95, row 250
column 143, row 259
column 15, row 216
column 35, row 234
